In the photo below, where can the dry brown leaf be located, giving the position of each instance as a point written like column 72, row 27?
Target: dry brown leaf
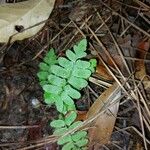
column 103, row 125
column 102, row 71
column 140, row 65
column 81, row 115
column 23, row 15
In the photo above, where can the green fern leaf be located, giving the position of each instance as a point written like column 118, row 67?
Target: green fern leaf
column 49, row 98
column 56, row 80
column 70, row 107
column 81, row 46
column 82, row 142
column 80, row 54
column 50, row 57
column 77, row 148
column 72, row 92
column 52, row 89
column 64, row 140
column 61, row 79
column 70, row 118
column 75, row 124
column 60, row 131
column 81, row 73
column 60, row 71
column 93, row 63
column 64, row 109
column 42, row 75
column 65, row 63
column 68, row 146
column 66, row 98
column 77, row 83
column 43, row 66
column 67, row 108
column 82, row 64
column 78, row 135
column 42, row 83
column 57, row 123
column 71, row 55
column 59, row 105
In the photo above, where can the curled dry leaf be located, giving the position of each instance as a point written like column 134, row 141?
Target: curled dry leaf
column 104, row 124
column 18, row 16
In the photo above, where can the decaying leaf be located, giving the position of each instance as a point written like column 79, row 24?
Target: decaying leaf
column 140, row 65
column 103, row 125
column 102, row 71
column 81, row 115
column 18, row 16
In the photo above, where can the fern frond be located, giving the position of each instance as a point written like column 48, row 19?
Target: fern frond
column 61, row 79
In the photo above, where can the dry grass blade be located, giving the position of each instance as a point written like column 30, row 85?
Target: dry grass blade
column 116, row 44
column 82, row 25
column 130, row 6
column 50, row 41
column 99, row 82
column 18, row 127
column 132, row 24
column 101, row 59
column 119, row 50
column 142, row 4
column 101, row 26
column 103, row 100
column 142, row 124
column 134, row 129
column 40, row 143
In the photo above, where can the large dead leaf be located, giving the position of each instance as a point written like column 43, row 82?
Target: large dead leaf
column 104, row 124
column 24, row 15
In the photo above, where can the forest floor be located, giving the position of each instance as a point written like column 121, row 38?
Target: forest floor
column 119, row 38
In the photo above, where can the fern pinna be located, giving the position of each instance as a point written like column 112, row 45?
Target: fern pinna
column 61, row 79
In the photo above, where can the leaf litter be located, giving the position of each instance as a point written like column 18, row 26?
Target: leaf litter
column 118, row 122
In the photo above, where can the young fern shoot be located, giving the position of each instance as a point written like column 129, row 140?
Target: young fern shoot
column 62, row 79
